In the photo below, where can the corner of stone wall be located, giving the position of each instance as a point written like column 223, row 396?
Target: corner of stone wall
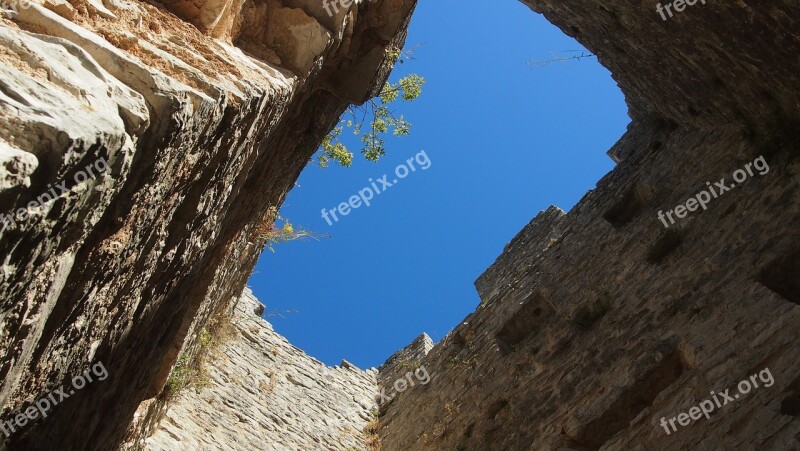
column 407, row 359
column 521, row 253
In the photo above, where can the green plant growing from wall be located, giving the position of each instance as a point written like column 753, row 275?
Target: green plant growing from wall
column 191, row 369
column 272, row 234
column 408, row 364
column 373, row 120
column 371, row 433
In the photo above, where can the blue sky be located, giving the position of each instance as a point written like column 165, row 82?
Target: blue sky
column 504, row 142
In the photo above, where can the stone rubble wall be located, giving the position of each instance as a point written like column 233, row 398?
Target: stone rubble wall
column 589, row 333
column 266, row 394
column 596, row 323
column 404, row 360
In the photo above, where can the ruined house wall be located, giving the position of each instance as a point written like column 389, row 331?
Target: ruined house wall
column 589, row 333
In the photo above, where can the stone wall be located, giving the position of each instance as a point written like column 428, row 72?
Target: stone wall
column 267, row 394
column 596, row 323
column 200, row 136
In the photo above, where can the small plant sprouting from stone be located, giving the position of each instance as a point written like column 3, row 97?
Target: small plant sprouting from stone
column 184, row 374
column 373, row 120
column 371, row 432
column 460, row 361
column 278, row 313
column 272, row 234
column 191, row 369
column 408, row 364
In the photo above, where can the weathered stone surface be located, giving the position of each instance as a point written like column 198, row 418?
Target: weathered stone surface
column 267, row 394
column 719, row 62
column 528, row 370
column 594, row 323
column 404, row 360
column 201, row 139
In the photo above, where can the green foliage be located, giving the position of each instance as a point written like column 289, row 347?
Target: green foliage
column 272, row 235
column 373, row 120
column 204, row 338
column 180, row 376
column 411, row 86
column 408, row 364
column 191, row 369
column 187, row 372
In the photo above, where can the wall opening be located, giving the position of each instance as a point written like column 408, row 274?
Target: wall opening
column 665, row 245
column 526, row 321
column 631, row 401
column 783, row 276
column 405, row 264
column 628, row 206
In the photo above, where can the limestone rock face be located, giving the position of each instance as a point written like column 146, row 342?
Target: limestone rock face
column 140, row 147
column 266, row 394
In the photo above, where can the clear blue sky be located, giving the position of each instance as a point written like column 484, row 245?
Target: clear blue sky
column 504, row 141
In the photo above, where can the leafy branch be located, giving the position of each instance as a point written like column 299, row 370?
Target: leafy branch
column 374, row 119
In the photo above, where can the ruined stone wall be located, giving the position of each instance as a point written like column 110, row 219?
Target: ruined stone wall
column 197, row 138
column 596, row 323
column 714, row 63
column 264, row 393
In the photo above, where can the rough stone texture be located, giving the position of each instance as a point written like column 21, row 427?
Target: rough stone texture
column 202, row 137
column 722, row 62
column 527, row 370
column 404, row 360
column 266, row 394
column 595, row 324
